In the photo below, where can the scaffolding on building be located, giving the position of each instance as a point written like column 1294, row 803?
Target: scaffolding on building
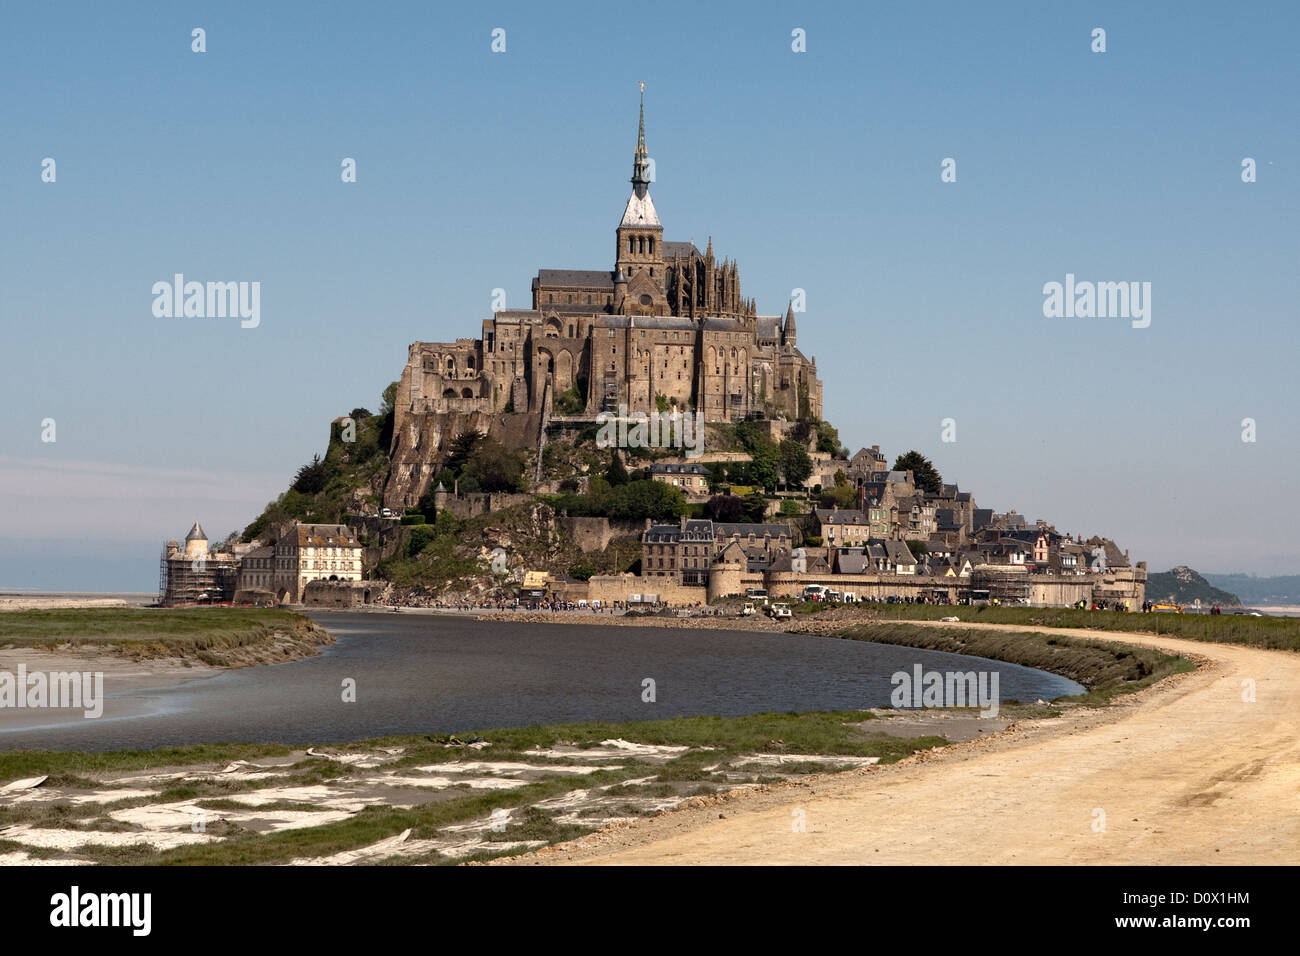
column 1004, row 584
column 203, row 580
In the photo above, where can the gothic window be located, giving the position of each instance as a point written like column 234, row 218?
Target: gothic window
column 640, row 244
column 631, row 244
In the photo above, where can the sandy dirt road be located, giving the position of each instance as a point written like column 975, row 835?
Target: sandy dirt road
column 1185, row 772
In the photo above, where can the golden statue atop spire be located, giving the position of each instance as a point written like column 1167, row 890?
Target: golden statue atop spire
column 643, row 86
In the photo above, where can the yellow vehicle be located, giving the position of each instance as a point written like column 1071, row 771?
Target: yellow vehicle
column 1168, row 608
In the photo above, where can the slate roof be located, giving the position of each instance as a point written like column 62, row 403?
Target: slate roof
column 852, row 562
column 769, row 327
column 818, row 565
column 697, row 529
column 683, row 249
column 781, row 562
column 899, row 553
column 576, row 279
column 841, row 516
column 323, row 536
column 668, row 468
column 744, row 530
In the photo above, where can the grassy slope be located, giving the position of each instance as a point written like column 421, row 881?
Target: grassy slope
column 201, row 633
column 1277, row 633
column 1105, row 668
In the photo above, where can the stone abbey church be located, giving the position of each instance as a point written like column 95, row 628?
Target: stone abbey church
column 667, row 323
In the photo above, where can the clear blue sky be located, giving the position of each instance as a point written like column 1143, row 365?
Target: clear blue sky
column 817, row 170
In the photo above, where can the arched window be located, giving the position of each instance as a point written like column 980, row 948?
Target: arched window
column 631, row 244
column 652, row 248
column 641, row 244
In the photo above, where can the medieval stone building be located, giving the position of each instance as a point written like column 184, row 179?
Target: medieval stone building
column 665, row 323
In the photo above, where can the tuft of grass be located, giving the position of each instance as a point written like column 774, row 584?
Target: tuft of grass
column 1105, row 668
column 1275, row 633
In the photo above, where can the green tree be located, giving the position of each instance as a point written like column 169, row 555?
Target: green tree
column 725, row 508
column 422, row 535
column 310, row 479
column 495, row 467
column 616, row 473
column 638, row 500
column 755, row 507
column 795, row 463
column 922, row 469
column 447, row 524
column 841, row 496
column 462, row 446
column 387, row 399
column 764, row 466
column 599, row 494
column 828, row 440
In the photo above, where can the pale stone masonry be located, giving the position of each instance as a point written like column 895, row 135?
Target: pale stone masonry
column 314, row 552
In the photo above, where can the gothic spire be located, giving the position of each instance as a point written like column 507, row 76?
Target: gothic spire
column 641, row 163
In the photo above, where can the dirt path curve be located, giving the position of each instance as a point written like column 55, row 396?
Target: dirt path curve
column 1185, row 772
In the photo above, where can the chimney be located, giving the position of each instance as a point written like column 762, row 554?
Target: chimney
column 683, row 522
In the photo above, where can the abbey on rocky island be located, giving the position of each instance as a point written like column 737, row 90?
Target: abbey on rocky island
column 667, row 325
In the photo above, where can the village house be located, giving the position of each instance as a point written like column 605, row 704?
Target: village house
column 314, row 552
column 691, row 478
